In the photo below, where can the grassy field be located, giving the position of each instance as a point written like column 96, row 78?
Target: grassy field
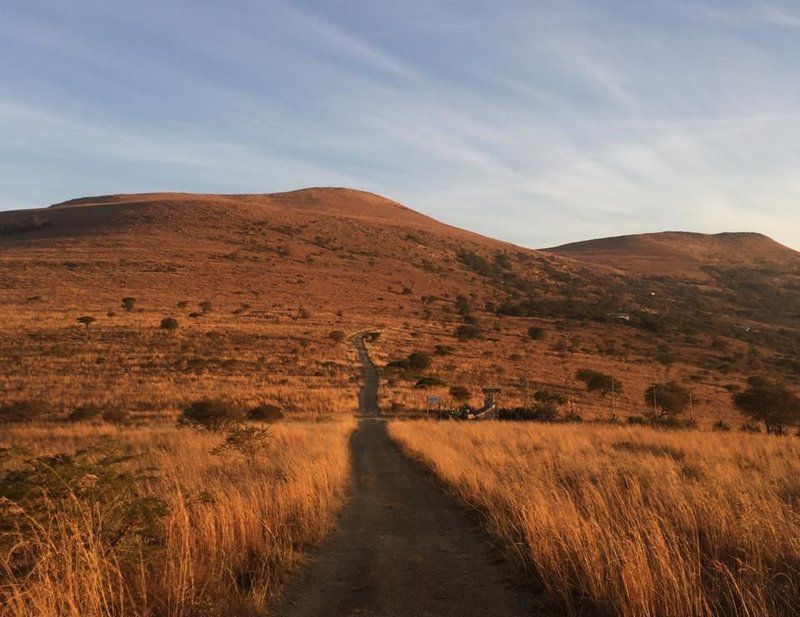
column 174, row 531
column 629, row 521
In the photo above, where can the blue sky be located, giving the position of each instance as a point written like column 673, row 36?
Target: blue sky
column 536, row 122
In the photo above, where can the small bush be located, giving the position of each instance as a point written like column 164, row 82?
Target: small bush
column 303, row 313
column 182, row 304
column 721, row 425
column 128, row 303
column 467, row 332
column 667, row 399
column 169, row 323
column 205, row 306
column 443, row 350
column 419, row 360
column 265, row 413
column 21, row 411
column 84, row 413
column 428, row 382
column 536, row 333
column 547, row 396
column 195, row 314
column 537, row 413
column 749, row 427
column 248, row 441
column 117, row 417
column 337, row 336
column 213, row 415
column 460, row 393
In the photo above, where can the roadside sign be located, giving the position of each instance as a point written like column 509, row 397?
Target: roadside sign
column 434, row 400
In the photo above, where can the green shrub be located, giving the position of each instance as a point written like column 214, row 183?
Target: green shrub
column 667, row 399
column 598, row 382
column 429, row 382
column 536, row 333
column 467, row 332
column 460, row 393
column 769, row 402
column 419, row 360
column 21, row 411
column 265, row 413
column 96, row 490
column 211, row 415
column 116, row 416
column 84, row 413
column 248, row 441
column 169, row 323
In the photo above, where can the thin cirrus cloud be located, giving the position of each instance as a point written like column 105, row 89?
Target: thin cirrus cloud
column 538, row 123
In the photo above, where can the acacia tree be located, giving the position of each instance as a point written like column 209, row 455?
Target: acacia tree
column 86, row 320
column 667, row 399
column 769, row 402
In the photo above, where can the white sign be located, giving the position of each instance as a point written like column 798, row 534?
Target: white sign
column 434, row 400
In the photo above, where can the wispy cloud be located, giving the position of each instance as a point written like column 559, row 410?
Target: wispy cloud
column 536, row 122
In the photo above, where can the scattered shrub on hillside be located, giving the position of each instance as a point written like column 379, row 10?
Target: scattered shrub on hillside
column 128, row 303
column 29, row 223
column 205, row 306
column 749, row 427
column 547, row 396
column 116, row 416
column 598, row 382
column 21, row 411
column 769, row 402
column 460, row 393
column 211, row 415
column 536, row 333
column 265, row 413
column 182, row 304
column 84, row 413
column 337, row 336
column 463, row 306
column 537, row 413
column 429, row 382
column 722, row 426
column 466, row 332
column 248, row 441
column 419, row 360
column 169, row 323
column 86, row 320
column 303, row 313
column 665, row 422
column 667, row 399
column 195, row 314
column 443, row 350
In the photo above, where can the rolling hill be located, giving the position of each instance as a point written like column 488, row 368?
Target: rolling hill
column 284, row 271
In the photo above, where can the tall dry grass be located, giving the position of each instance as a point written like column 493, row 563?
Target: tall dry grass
column 627, row 521
column 232, row 533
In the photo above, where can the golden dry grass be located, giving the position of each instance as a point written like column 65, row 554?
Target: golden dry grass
column 232, row 534
column 629, row 521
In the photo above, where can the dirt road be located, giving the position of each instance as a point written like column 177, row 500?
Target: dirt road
column 403, row 548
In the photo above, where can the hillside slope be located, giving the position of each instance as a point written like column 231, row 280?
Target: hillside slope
column 280, row 274
column 681, row 254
